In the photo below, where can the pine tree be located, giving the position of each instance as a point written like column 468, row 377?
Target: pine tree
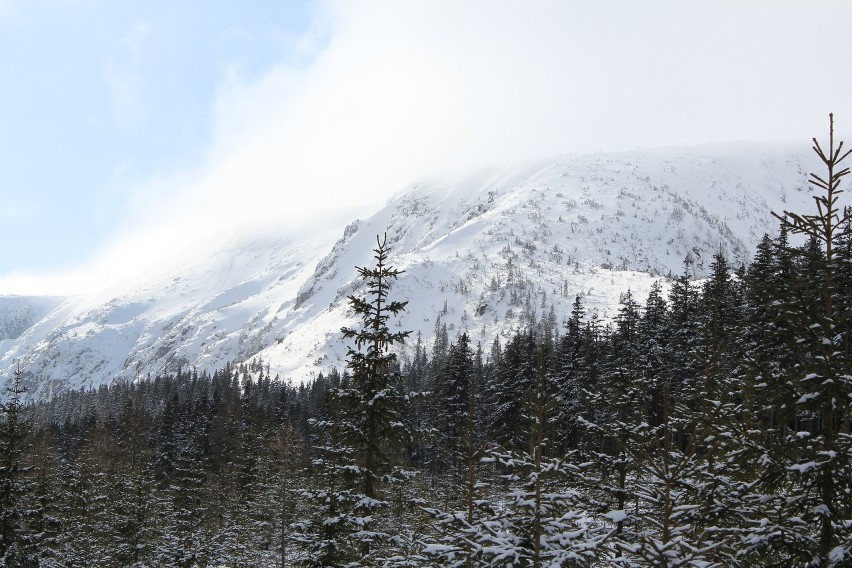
column 326, row 528
column 571, row 377
column 460, row 425
column 817, row 461
column 419, row 419
column 653, row 339
column 620, row 411
column 43, row 497
column 542, row 520
column 80, row 542
column 184, row 483
column 505, row 392
column 373, row 403
column 282, row 473
column 16, row 542
column 670, row 494
column 683, row 335
column 453, row 393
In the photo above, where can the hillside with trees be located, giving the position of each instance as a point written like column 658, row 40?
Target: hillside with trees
column 709, row 426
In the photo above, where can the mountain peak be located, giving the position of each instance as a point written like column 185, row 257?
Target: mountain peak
column 485, row 252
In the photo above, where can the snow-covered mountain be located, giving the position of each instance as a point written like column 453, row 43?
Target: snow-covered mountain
column 19, row 313
column 485, row 253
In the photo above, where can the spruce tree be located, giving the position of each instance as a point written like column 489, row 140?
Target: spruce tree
column 463, row 447
column 16, row 542
column 184, row 486
column 43, row 497
column 373, row 404
column 817, row 461
column 571, row 378
column 512, row 378
column 540, row 519
column 683, row 336
column 653, row 339
column 453, row 394
column 620, row 411
column 329, row 522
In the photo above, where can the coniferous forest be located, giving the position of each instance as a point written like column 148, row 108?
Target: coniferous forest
column 708, row 426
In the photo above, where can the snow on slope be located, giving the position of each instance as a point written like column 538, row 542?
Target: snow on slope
column 18, row 313
column 486, row 253
column 200, row 312
column 490, row 252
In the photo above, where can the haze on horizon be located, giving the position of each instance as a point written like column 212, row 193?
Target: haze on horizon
column 192, row 128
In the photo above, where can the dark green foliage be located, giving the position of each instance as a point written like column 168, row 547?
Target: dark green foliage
column 818, row 460
column 373, row 402
column 456, row 390
column 18, row 543
column 710, row 427
column 243, row 468
column 362, row 439
column 184, row 470
column 505, row 392
column 683, row 334
column 327, row 529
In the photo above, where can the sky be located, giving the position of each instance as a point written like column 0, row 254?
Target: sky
column 131, row 129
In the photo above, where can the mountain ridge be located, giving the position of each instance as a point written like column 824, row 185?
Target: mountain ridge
column 486, row 252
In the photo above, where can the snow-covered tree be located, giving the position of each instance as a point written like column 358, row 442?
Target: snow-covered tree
column 811, row 471
column 463, row 446
column 363, row 451
column 327, row 524
column 16, row 541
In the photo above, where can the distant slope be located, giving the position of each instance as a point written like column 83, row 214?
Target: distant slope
column 18, row 313
column 203, row 313
column 487, row 253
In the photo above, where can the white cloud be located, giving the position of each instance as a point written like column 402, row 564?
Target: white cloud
column 401, row 89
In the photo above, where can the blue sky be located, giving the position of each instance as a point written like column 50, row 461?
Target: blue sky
column 99, row 94
column 129, row 129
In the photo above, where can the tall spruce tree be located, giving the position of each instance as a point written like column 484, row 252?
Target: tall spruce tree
column 373, row 404
column 453, row 395
column 819, row 448
column 571, row 377
column 653, row 338
column 683, row 335
column 800, row 502
column 510, row 381
column 541, row 519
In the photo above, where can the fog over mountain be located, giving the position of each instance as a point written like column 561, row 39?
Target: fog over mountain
column 486, row 253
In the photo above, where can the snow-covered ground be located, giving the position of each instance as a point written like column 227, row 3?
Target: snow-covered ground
column 485, row 253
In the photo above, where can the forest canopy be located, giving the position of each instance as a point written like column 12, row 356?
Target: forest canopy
column 709, row 426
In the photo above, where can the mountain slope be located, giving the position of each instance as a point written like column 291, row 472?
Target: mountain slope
column 486, row 253
column 19, row 313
